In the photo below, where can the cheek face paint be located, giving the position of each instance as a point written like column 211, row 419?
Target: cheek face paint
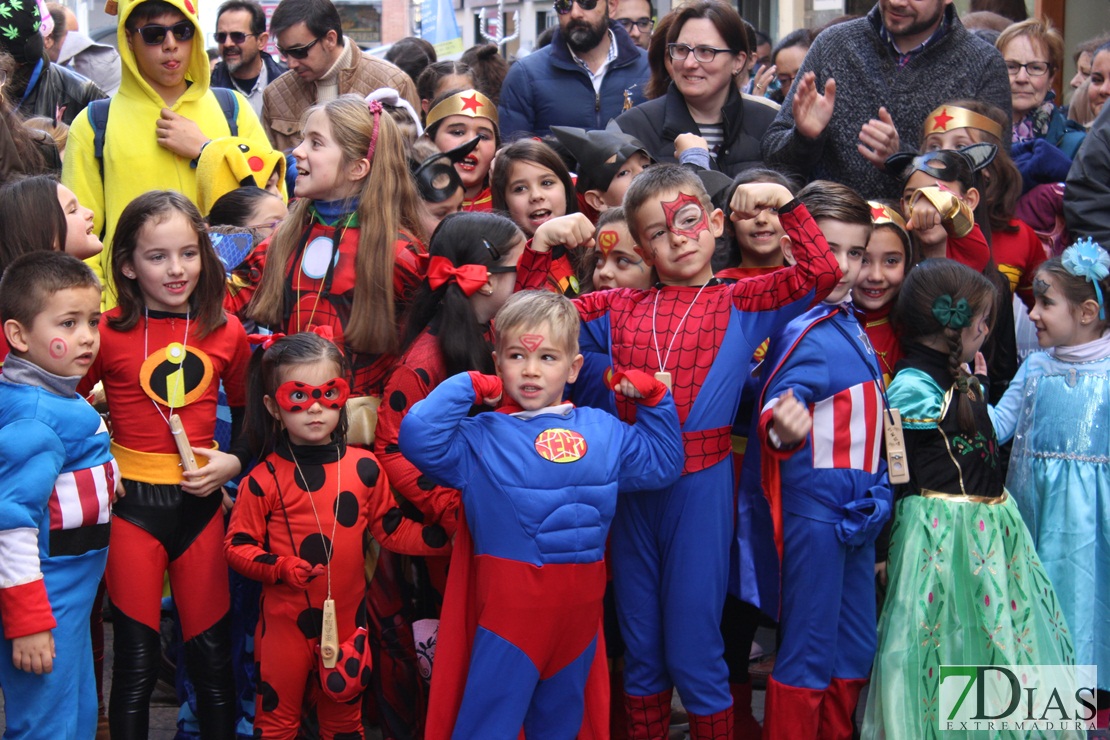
column 531, row 341
column 58, row 348
column 606, row 240
column 685, row 216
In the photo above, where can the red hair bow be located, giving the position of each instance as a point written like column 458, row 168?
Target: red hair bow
column 470, row 278
column 267, row 340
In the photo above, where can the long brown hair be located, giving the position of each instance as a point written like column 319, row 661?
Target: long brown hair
column 387, row 205
column 206, row 306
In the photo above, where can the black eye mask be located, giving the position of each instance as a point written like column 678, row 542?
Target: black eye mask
column 944, row 164
column 436, row 177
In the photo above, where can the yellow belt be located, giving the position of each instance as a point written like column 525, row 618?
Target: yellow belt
column 960, row 498
column 158, row 468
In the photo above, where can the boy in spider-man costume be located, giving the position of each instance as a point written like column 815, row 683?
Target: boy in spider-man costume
column 821, row 428
column 56, row 478
column 539, row 485
column 670, row 544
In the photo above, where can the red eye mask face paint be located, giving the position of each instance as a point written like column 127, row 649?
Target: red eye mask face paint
column 685, row 216
column 294, row 396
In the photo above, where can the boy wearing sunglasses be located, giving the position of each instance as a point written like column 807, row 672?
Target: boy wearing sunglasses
column 241, row 37
column 588, row 74
column 158, row 123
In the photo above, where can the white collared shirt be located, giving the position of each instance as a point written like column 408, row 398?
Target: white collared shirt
column 599, row 75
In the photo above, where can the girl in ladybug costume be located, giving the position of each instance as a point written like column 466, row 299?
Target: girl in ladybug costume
column 299, row 526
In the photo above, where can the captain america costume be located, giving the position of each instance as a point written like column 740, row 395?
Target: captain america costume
column 829, row 497
column 538, row 552
column 670, row 545
column 54, row 529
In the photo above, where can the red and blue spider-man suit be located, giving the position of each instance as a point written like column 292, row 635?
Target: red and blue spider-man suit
column 829, row 497
column 539, row 490
column 670, row 545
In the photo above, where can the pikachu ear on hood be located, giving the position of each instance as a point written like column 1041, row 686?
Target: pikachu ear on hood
column 123, row 7
column 234, row 162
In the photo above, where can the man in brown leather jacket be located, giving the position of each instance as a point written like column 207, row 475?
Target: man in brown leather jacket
column 323, row 65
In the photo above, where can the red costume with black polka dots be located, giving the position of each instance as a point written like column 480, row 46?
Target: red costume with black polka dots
column 279, row 520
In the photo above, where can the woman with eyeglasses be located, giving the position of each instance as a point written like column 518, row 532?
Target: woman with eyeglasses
column 1034, row 53
column 706, row 48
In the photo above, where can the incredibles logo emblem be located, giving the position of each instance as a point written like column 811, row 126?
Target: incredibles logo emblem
column 561, row 445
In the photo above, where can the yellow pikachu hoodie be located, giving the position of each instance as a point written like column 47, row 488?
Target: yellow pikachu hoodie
column 133, row 160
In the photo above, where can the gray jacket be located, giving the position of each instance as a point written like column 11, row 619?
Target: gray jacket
column 99, row 62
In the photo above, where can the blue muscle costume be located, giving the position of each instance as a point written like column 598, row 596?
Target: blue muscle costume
column 539, row 489
column 829, row 499
column 56, row 481
column 670, row 545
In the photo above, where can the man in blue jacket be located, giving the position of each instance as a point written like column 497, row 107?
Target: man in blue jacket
column 587, row 75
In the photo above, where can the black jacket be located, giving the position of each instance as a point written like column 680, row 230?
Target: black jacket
column 59, row 92
column 222, row 78
column 657, row 122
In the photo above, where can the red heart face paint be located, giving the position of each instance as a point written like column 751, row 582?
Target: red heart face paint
column 58, row 348
column 606, row 240
column 294, row 396
column 685, row 216
column 531, row 341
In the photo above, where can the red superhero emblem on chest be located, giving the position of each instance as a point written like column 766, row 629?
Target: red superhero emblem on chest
column 685, row 216
column 560, row 445
column 296, row 396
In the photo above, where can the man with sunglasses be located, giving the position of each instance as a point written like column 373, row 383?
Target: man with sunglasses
column 587, row 75
column 241, row 36
column 323, row 64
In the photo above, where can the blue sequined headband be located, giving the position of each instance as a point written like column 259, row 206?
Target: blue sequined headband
column 1087, row 259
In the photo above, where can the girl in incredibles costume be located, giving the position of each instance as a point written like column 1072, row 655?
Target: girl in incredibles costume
column 455, row 118
column 299, row 527
column 164, row 351
column 965, row 585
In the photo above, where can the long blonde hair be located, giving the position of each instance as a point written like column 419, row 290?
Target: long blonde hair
column 387, row 205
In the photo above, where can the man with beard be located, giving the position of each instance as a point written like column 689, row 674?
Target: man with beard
column 241, row 36
column 587, row 75
column 847, row 112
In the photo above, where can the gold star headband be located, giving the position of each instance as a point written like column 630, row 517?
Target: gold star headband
column 950, row 118
column 884, row 214
column 464, row 103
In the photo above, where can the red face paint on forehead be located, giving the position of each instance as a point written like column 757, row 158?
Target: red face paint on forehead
column 531, row 341
column 679, row 214
column 294, row 396
column 606, row 240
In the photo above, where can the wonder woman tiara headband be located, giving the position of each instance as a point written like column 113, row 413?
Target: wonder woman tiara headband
column 951, row 117
column 1087, row 259
column 463, row 103
column 883, row 214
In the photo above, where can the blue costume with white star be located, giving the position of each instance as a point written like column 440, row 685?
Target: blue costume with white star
column 56, row 480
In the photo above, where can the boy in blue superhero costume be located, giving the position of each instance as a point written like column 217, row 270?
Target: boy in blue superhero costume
column 57, row 478
column 539, row 486
column 821, row 431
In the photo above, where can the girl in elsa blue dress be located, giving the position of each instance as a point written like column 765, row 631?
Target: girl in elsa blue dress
column 1057, row 410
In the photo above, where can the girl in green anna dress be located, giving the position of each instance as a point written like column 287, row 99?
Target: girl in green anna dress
column 965, row 585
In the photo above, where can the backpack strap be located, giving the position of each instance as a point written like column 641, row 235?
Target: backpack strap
column 98, row 117
column 229, row 103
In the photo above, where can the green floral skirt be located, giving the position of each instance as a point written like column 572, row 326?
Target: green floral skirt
column 965, row 588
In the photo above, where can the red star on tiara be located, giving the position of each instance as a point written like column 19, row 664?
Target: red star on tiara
column 877, row 213
column 941, row 122
column 471, row 103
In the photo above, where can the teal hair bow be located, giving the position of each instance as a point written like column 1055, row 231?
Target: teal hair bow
column 952, row 314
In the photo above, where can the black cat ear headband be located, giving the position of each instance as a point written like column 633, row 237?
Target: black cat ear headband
column 436, row 177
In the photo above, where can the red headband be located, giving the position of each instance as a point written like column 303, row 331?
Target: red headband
column 376, row 111
column 267, row 340
column 470, row 278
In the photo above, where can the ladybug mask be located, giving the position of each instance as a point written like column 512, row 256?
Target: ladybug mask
column 295, row 396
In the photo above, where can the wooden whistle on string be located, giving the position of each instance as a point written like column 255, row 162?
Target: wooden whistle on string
column 188, row 460
column 329, row 636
